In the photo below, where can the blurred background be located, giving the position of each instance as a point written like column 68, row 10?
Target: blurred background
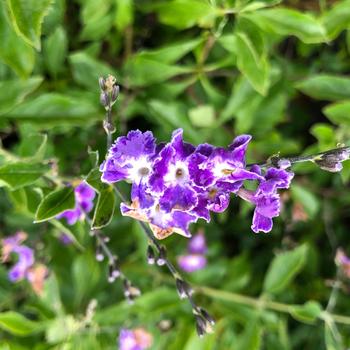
column 278, row 70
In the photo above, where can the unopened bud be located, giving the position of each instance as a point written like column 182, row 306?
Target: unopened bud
column 183, row 288
column 150, row 255
column 331, row 160
column 130, row 292
column 104, row 99
column 102, row 83
column 99, row 253
column 115, row 93
column 162, row 256
column 207, row 317
column 200, row 326
column 284, row 163
column 113, row 271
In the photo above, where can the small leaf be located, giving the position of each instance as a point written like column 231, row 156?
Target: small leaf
column 14, row 91
column 251, row 64
column 17, row 324
column 290, row 22
column 55, row 203
column 306, row 198
column 283, row 269
column 252, row 336
column 94, row 180
column 55, row 50
column 13, row 50
column 337, row 19
column 27, row 17
column 202, row 116
column 125, row 14
column 307, row 313
column 104, row 209
column 54, row 109
column 333, row 338
column 17, row 175
column 326, row 87
column 142, row 71
column 338, row 113
column 183, row 14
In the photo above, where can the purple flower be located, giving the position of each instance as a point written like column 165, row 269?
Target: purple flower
column 192, row 262
column 84, row 196
column 25, row 255
column 196, row 259
column 137, row 339
column 197, row 244
column 343, row 261
column 265, row 198
column 129, row 158
column 65, row 239
column 175, row 184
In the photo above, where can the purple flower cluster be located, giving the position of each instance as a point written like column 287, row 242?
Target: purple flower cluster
column 176, row 183
column 195, row 259
column 84, row 196
column 136, row 339
column 24, row 267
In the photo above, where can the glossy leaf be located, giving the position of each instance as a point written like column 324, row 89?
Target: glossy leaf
column 283, row 269
column 285, row 21
column 125, row 14
column 337, row 18
column 202, row 116
column 307, row 313
column 183, row 14
column 27, row 17
column 17, row 324
column 55, row 203
column 14, row 91
column 104, row 209
column 55, row 50
column 20, row 174
column 326, row 87
column 306, row 198
column 14, row 52
column 251, row 64
column 338, row 113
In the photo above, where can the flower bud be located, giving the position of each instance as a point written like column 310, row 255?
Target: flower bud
column 115, row 93
column 150, row 255
column 102, row 83
column 183, row 288
column 162, row 256
column 99, row 254
column 104, row 99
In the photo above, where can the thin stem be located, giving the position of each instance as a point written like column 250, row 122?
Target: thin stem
column 265, row 304
column 274, row 160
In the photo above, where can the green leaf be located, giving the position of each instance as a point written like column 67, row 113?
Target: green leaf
column 87, row 70
column 27, row 17
column 17, row 324
column 183, row 14
column 142, row 71
column 20, row 174
column 94, row 180
column 251, row 337
column 14, row 91
column 326, row 87
column 338, row 113
column 97, row 19
column 170, row 53
column 202, row 116
column 56, row 109
column 86, row 275
column 306, row 198
column 254, row 66
column 337, row 19
column 307, row 313
column 33, row 146
column 13, row 50
column 125, row 14
column 55, row 203
column 290, row 22
column 104, row 209
column 283, row 269
column 333, row 338
column 55, row 50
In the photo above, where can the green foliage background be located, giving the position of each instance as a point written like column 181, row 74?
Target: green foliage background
column 278, row 70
